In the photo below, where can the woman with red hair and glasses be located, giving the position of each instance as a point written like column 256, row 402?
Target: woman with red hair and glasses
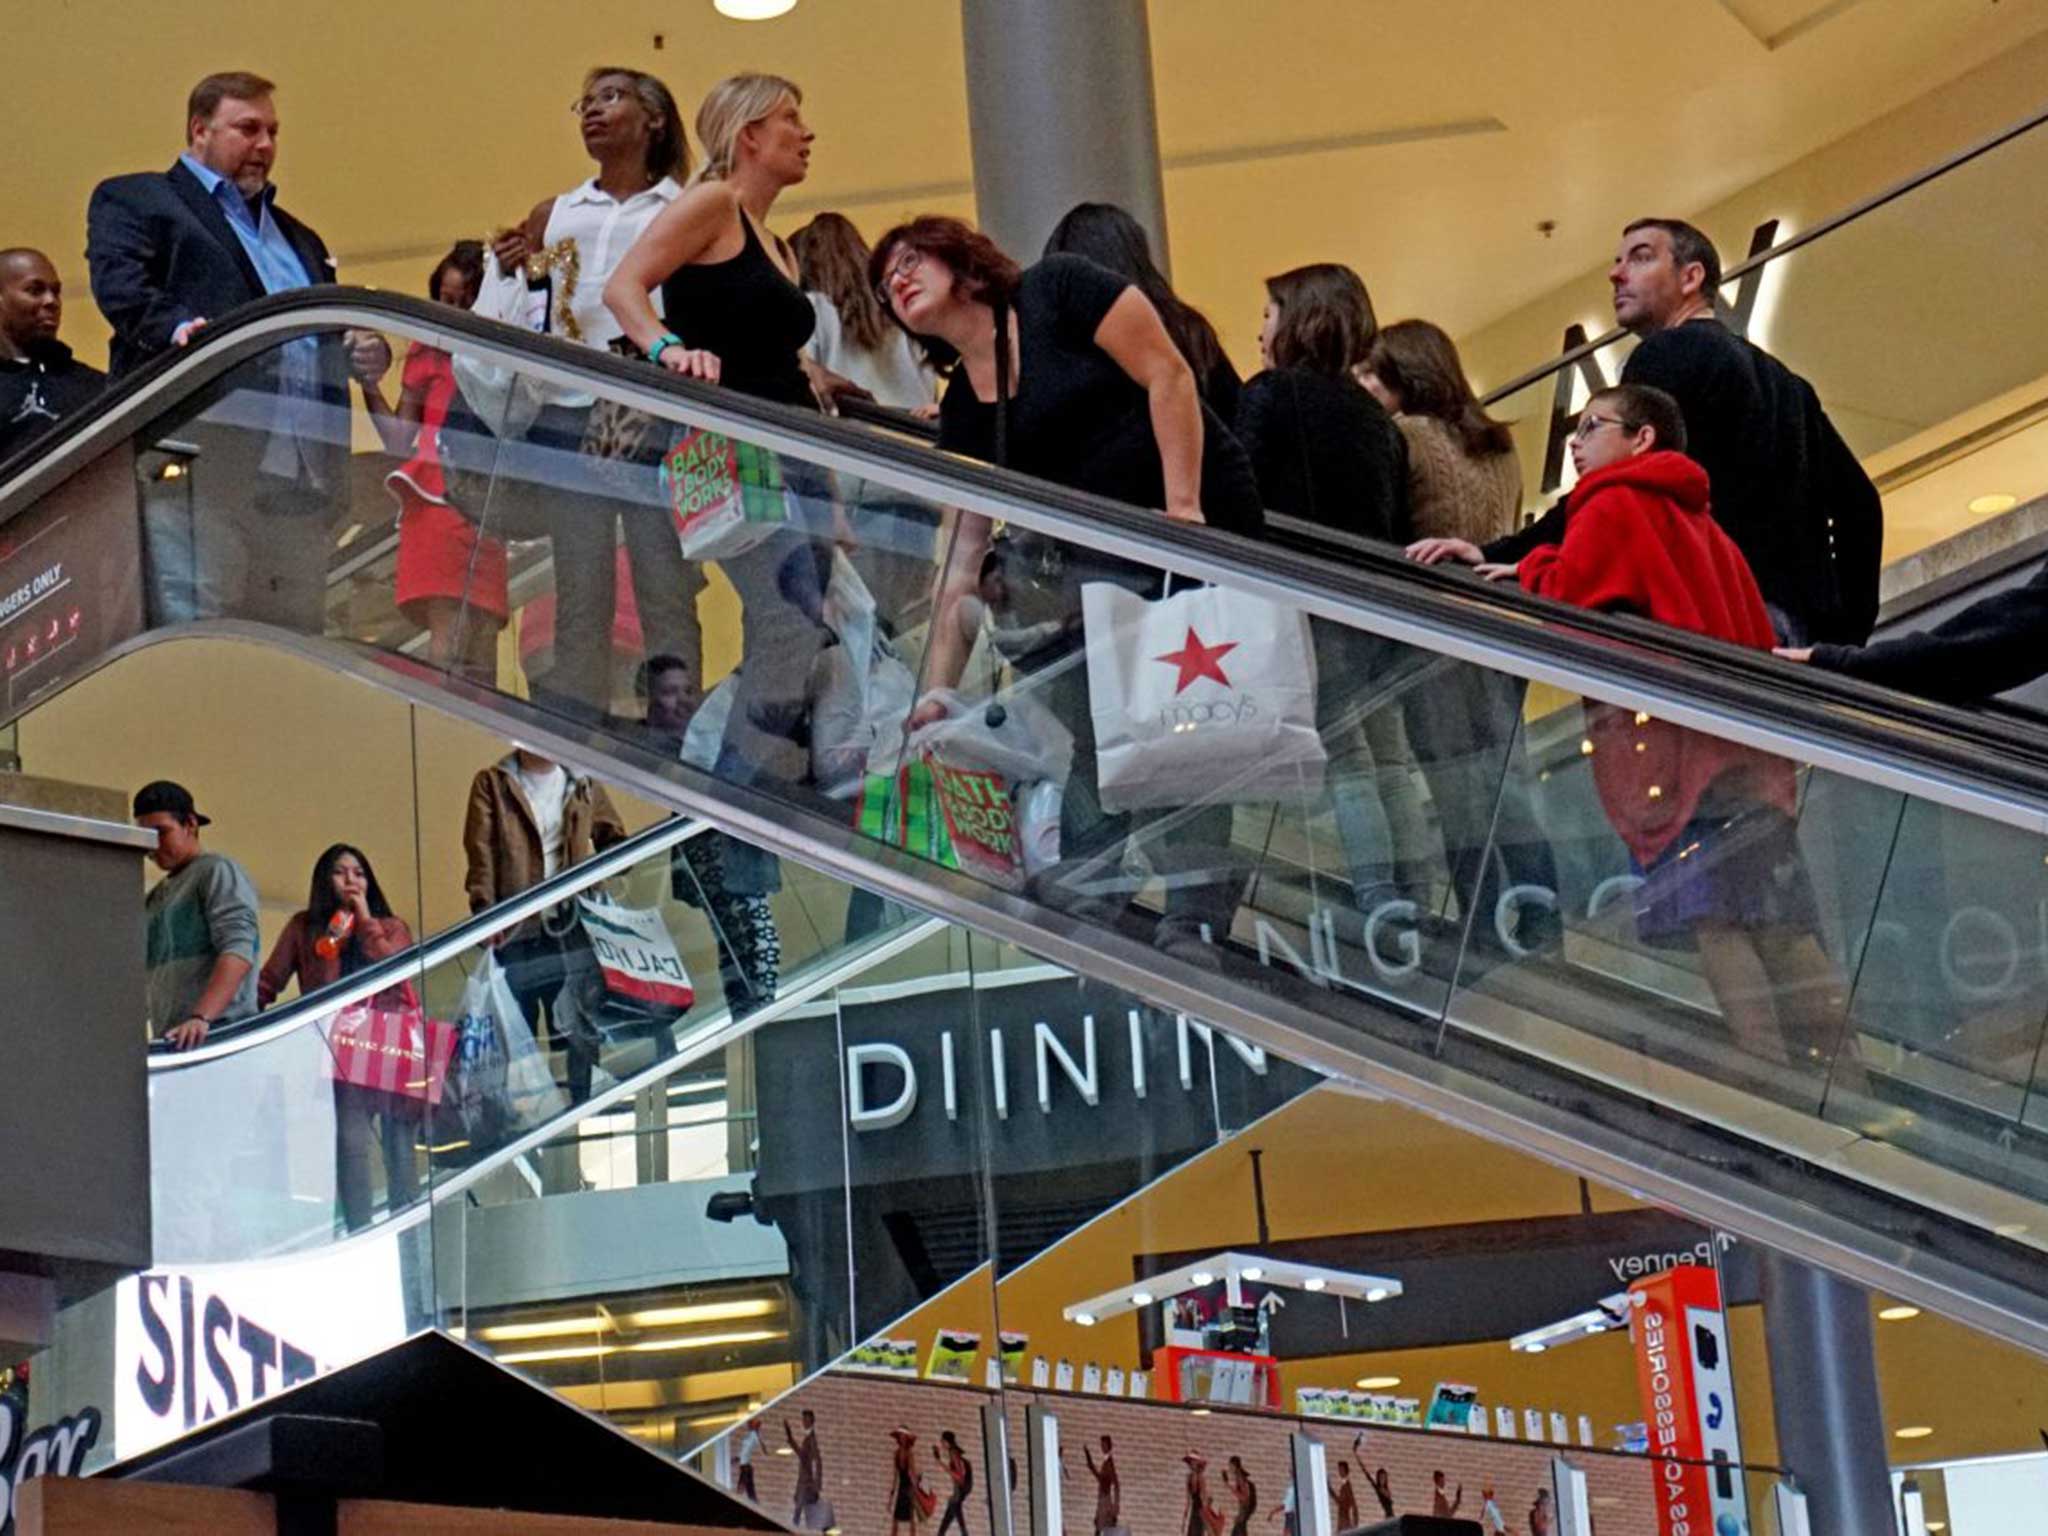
column 1098, row 399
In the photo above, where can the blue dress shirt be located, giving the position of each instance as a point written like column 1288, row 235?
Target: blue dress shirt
column 281, row 270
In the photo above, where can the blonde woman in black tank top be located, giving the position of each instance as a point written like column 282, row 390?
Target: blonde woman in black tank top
column 735, row 315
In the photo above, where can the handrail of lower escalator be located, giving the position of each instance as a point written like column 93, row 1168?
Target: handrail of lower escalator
column 465, row 936
column 1989, row 765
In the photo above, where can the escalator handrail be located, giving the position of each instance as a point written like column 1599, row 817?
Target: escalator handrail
column 1986, row 764
column 407, row 965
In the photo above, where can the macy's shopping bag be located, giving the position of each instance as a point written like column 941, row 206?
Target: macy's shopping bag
column 725, row 496
column 1205, row 696
column 643, row 976
column 393, row 1050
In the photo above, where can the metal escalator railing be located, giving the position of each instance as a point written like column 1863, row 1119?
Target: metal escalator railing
column 1870, row 821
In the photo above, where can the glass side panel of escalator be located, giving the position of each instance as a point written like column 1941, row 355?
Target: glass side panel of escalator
column 1423, row 850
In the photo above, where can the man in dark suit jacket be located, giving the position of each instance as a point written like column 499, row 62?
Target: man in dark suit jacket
column 245, row 530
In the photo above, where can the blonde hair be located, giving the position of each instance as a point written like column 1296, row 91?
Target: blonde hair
column 728, row 108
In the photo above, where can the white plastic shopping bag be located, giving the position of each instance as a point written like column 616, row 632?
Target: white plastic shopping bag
column 502, row 1081
column 982, row 756
column 1207, row 696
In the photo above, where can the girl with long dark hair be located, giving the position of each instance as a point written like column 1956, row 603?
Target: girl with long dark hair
column 1110, row 237
column 1326, row 452
column 347, row 924
column 1464, row 481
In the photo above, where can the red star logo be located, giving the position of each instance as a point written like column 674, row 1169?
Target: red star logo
column 1197, row 661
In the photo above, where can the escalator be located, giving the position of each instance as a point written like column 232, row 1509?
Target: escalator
column 1866, row 1095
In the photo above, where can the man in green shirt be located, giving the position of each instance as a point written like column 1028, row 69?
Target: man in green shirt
column 201, row 921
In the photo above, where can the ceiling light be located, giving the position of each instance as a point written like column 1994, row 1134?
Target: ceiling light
column 1141, row 1298
column 1913, row 1432
column 573, row 1352
column 1937, row 1525
column 704, row 1341
column 783, row 1450
column 557, row 1328
column 1377, row 1293
column 1898, row 1314
column 702, row 1312
column 753, row 10
column 1252, row 1272
column 1992, row 505
column 1200, row 1413
column 1085, row 1319
column 1535, row 1349
column 1314, row 1283
column 1203, row 1277
column 1377, row 1383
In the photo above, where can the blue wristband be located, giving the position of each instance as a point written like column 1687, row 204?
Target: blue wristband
column 670, row 340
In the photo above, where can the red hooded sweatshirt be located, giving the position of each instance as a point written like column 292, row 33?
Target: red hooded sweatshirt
column 1639, row 538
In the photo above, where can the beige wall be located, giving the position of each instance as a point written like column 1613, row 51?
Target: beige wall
column 286, row 757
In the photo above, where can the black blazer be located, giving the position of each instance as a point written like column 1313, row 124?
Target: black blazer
column 161, row 253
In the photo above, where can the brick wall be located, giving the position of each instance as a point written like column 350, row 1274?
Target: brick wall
column 856, row 1412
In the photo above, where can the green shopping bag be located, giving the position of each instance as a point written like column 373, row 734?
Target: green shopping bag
column 902, row 809
column 725, row 496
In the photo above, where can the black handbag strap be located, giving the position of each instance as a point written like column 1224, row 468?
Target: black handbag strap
column 1003, row 367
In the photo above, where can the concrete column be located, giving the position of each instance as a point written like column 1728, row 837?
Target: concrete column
column 1060, row 109
column 1824, row 1394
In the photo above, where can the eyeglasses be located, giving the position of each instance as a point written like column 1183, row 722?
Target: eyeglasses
column 905, row 263
column 1589, row 424
column 610, row 96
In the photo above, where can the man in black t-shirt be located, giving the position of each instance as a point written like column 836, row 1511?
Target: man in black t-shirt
column 1782, row 482
column 40, row 381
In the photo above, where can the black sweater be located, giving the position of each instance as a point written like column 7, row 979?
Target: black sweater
column 1324, row 451
column 1994, row 644
column 36, row 394
column 1784, row 485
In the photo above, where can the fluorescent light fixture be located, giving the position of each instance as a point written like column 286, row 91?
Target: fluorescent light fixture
column 644, row 1347
column 1995, row 503
column 753, row 10
column 1610, row 1313
column 657, row 1317
column 1913, row 1432
column 1899, row 1313
column 1377, row 1383
column 1278, row 1273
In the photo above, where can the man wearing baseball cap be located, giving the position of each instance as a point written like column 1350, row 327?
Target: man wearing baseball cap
column 201, row 921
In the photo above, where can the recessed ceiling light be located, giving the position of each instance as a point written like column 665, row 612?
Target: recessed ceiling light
column 1377, row 1383
column 1898, row 1314
column 753, row 10
column 1913, row 1432
column 1202, row 1277
column 1141, row 1298
column 1314, row 1283
column 1998, row 501
column 1085, row 1319
column 1253, row 1272
column 1537, row 1349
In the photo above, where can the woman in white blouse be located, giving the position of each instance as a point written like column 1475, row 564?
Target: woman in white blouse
column 633, row 131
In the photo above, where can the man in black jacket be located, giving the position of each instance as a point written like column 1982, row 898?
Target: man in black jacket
column 1783, row 483
column 245, row 529
column 40, row 381
column 1997, row 643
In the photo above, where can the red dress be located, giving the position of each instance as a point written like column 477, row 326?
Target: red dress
column 439, row 551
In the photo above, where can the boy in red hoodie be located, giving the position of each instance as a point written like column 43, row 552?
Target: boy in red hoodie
column 1709, row 823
